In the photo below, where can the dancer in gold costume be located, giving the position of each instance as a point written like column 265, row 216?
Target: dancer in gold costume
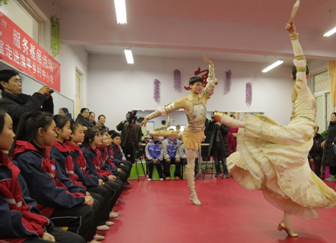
column 193, row 134
column 273, row 158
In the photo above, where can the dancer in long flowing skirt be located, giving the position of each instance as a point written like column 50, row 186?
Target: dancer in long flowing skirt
column 273, row 158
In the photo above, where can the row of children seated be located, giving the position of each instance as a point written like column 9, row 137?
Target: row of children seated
column 164, row 152
column 49, row 181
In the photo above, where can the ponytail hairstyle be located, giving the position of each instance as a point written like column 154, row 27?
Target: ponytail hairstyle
column 30, row 122
column 61, row 121
column 2, row 119
column 89, row 136
column 73, row 126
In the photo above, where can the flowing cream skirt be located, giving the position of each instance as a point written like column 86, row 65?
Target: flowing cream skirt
column 274, row 159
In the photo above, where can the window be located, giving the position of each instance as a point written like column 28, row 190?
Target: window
column 23, row 15
column 321, row 89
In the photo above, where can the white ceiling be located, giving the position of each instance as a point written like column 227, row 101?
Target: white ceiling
column 230, row 30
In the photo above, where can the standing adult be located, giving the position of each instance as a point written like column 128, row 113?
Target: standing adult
column 316, row 152
column 218, row 147
column 232, row 138
column 16, row 103
column 329, row 156
column 130, row 136
column 193, row 134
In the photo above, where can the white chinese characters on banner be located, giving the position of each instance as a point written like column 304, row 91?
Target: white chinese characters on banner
column 22, row 52
column 31, row 58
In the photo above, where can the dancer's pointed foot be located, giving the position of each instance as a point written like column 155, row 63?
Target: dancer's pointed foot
column 282, row 226
column 195, row 200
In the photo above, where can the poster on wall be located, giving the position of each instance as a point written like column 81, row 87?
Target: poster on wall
column 21, row 51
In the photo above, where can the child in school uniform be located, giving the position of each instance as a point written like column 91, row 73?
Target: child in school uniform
column 20, row 219
column 154, row 156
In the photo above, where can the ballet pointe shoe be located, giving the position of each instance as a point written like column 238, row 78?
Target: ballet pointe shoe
column 195, row 200
column 282, row 226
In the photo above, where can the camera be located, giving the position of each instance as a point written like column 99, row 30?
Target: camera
column 131, row 115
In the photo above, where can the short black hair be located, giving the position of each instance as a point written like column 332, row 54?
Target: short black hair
column 65, row 110
column 114, row 135
column 90, row 135
column 84, row 109
column 195, row 79
column 294, row 71
column 101, row 116
column 163, row 122
column 61, row 120
column 6, row 75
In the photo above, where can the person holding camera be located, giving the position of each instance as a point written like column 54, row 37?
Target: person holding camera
column 218, row 147
column 130, row 135
column 16, row 103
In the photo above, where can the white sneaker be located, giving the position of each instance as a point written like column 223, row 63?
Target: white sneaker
column 161, row 179
column 331, row 178
column 149, row 179
column 113, row 215
column 98, row 237
column 102, row 227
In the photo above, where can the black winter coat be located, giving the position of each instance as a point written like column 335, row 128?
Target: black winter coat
column 329, row 156
column 223, row 131
column 125, row 128
column 84, row 121
column 316, row 149
column 17, row 105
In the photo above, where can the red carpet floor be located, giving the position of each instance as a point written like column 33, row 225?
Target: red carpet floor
column 161, row 212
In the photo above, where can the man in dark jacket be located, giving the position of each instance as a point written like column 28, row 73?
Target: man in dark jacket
column 316, row 152
column 329, row 156
column 130, row 137
column 218, row 145
column 15, row 103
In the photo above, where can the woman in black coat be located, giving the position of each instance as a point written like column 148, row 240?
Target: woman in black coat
column 83, row 118
column 329, row 156
column 218, row 147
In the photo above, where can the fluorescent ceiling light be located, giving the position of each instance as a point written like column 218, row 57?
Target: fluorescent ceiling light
column 277, row 63
column 129, row 56
column 330, row 32
column 120, row 7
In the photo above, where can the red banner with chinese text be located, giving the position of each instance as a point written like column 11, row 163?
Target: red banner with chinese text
column 21, row 51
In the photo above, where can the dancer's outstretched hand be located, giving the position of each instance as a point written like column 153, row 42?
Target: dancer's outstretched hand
column 290, row 27
column 143, row 123
column 206, row 60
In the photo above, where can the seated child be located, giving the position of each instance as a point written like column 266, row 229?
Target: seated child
column 118, row 156
column 67, row 176
column 20, row 219
column 108, row 161
column 35, row 136
column 154, row 156
column 171, row 155
column 92, row 182
column 95, row 166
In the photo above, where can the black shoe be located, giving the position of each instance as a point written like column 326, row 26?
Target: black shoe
column 218, row 174
column 226, row 175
